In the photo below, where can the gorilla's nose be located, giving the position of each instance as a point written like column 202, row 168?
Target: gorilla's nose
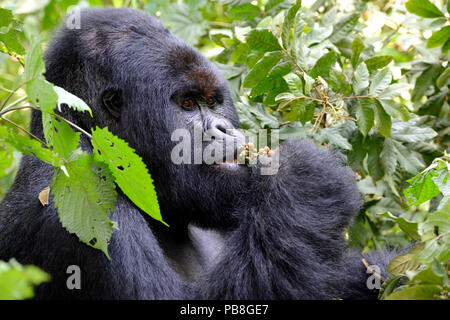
column 223, row 131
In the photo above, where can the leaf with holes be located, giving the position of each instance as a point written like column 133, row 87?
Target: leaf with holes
column 85, row 195
column 128, row 169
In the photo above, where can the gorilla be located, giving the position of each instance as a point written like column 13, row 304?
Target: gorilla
column 234, row 233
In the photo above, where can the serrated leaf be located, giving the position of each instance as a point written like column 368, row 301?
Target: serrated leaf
column 32, row 148
column 41, row 94
column 72, row 101
column 439, row 37
column 85, row 198
column 262, row 40
column 59, row 135
column 128, row 169
column 360, row 78
column 423, row 8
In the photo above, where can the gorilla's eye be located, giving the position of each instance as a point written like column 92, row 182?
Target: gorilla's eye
column 188, row 103
column 210, row 101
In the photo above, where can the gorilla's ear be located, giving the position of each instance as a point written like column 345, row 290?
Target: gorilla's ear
column 111, row 100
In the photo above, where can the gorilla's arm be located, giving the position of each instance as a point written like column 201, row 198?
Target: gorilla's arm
column 289, row 243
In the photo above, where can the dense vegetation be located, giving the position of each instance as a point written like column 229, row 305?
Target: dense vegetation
column 370, row 78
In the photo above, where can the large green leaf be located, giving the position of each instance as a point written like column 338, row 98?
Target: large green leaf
column 261, row 68
column 84, row 194
column 262, row 40
column 439, row 38
column 423, row 8
column 128, row 169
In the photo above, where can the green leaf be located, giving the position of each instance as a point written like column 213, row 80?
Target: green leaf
column 6, row 17
column 262, row 40
column 261, row 69
column 418, row 292
column 295, row 84
column 41, row 93
column 364, row 116
column 380, row 82
column 360, row 78
column 59, row 135
column 288, row 22
column 412, row 134
column 128, row 169
column 422, row 189
column 17, row 281
column 84, row 194
column 410, row 160
column 10, row 40
column 378, row 62
column 246, row 11
column 425, row 80
column 439, row 37
column 65, row 97
column 187, row 23
column 444, row 78
column 374, row 159
column 338, row 81
column 423, row 8
column 357, row 48
column 323, row 65
column 344, row 27
column 388, row 286
column 32, row 148
column 395, row 109
column 403, row 262
column 382, row 119
column 34, row 65
column 411, row 228
column 388, row 157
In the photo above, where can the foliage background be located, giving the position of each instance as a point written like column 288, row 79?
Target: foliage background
column 367, row 77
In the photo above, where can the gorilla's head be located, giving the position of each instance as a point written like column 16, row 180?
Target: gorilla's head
column 144, row 83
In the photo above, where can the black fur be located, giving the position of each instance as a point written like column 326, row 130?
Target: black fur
column 283, row 234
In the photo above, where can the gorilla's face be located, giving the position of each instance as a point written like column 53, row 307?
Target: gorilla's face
column 184, row 125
